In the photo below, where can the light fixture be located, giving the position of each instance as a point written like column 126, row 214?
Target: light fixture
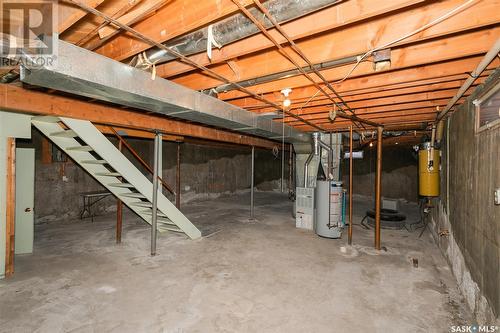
column 371, row 144
column 286, row 102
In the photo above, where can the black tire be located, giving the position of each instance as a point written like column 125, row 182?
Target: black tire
column 387, row 215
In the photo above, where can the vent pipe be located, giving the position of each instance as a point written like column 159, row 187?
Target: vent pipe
column 231, row 29
column 317, row 146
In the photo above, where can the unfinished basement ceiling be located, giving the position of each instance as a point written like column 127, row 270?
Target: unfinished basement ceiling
column 424, row 53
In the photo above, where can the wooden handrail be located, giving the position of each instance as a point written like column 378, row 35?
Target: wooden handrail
column 144, row 164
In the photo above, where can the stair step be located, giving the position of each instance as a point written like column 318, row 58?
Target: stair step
column 149, row 212
column 65, row 134
column 108, row 174
column 46, row 119
column 142, row 204
column 93, row 162
column 80, row 148
column 125, row 185
column 134, row 195
column 164, row 228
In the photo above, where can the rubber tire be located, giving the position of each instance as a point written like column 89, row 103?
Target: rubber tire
column 387, row 215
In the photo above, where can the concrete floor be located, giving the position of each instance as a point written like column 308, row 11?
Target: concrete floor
column 261, row 276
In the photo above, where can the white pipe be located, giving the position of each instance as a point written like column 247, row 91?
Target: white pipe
column 488, row 58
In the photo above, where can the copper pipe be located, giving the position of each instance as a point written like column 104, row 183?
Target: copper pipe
column 378, row 187
column 350, row 185
column 282, row 51
column 187, row 60
column 305, row 58
column 178, row 178
column 119, row 209
column 143, row 163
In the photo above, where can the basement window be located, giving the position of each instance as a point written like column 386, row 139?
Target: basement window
column 488, row 109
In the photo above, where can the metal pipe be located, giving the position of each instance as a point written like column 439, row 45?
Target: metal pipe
column 154, row 218
column 306, row 169
column 285, row 74
column 231, row 29
column 290, row 168
column 178, row 178
column 303, row 56
column 284, row 53
column 350, row 186
column 119, row 209
column 187, row 60
column 378, row 187
column 252, row 180
column 488, row 58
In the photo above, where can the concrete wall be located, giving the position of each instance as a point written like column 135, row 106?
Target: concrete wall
column 399, row 173
column 465, row 214
column 206, row 172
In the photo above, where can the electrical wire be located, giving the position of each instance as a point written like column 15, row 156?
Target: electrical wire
column 424, row 27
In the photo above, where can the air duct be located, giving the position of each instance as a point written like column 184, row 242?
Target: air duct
column 231, row 29
column 118, row 83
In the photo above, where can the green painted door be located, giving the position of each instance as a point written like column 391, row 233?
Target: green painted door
column 25, row 187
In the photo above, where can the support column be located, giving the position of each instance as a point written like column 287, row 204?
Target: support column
column 11, row 207
column 252, row 184
column 119, row 210
column 156, row 164
column 378, row 187
column 350, row 186
column 178, row 178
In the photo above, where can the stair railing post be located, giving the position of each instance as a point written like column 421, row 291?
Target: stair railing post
column 156, row 165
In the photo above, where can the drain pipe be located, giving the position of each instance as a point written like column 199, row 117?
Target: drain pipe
column 229, row 30
column 488, row 58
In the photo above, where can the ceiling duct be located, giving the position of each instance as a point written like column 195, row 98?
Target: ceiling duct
column 81, row 72
column 231, row 29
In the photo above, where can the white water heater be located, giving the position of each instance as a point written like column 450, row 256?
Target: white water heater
column 328, row 220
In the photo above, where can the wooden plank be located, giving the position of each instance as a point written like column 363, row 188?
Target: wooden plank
column 172, row 20
column 132, row 17
column 381, row 79
column 119, row 13
column 69, row 14
column 46, row 151
column 18, row 99
column 10, row 207
column 335, row 17
column 426, row 52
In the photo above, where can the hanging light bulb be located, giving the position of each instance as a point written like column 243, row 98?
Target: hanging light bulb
column 286, row 102
column 371, row 144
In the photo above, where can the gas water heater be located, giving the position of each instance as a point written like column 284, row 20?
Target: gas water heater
column 320, row 204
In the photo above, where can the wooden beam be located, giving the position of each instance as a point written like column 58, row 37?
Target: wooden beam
column 69, row 14
column 378, row 80
column 10, row 207
column 132, row 17
column 108, row 31
column 334, row 17
column 172, row 20
column 17, row 99
column 426, row 52
column 366, row 94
